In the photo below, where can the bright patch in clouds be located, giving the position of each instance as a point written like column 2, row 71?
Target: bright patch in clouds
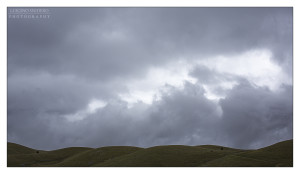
column 94, row 105
column 91, row 108
column 209, row 89
column 255, row 65
column 148, row 89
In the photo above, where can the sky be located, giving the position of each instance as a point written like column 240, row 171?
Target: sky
column 143, row 77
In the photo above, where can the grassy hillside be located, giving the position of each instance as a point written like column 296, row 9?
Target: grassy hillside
column 164, row 156
column 14, row 149
column 280, row 154
column 40, row 158
column 95, row 156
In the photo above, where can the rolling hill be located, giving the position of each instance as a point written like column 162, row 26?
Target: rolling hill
column 279, row 154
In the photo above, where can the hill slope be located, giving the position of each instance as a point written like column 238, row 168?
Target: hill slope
column 279, row 154
column 14, row 149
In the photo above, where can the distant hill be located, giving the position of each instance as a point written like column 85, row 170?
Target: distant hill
column 279, row 154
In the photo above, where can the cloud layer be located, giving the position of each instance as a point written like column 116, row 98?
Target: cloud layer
column 151, row 76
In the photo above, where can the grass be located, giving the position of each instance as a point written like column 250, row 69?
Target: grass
column 95, row 156
column 279, row 154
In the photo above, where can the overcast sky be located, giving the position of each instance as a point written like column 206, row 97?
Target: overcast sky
column 151, row 76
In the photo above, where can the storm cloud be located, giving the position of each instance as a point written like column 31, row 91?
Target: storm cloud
column 151, row 76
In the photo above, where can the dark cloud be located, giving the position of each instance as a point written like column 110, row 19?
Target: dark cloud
column 210, row 76
column 171, row 120
column 251, row 115
column 87, row 39
column 56, row 67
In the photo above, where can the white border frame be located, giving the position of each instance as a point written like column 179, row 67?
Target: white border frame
column 140, row 3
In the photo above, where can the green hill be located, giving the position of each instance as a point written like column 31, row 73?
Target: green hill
column 40, row 158
column 13, row 149
column 95, row 156
column 279, row 154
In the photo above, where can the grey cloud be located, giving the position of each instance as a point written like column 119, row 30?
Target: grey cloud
column 213, row 79
column 47, row 92
column 152, row 36
column 37, row 100
column 256, row 117
column 56, row 66
column 250, row 114
column 182, row 117
column 204, row 74
column 208, row 76
column 170, row 121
